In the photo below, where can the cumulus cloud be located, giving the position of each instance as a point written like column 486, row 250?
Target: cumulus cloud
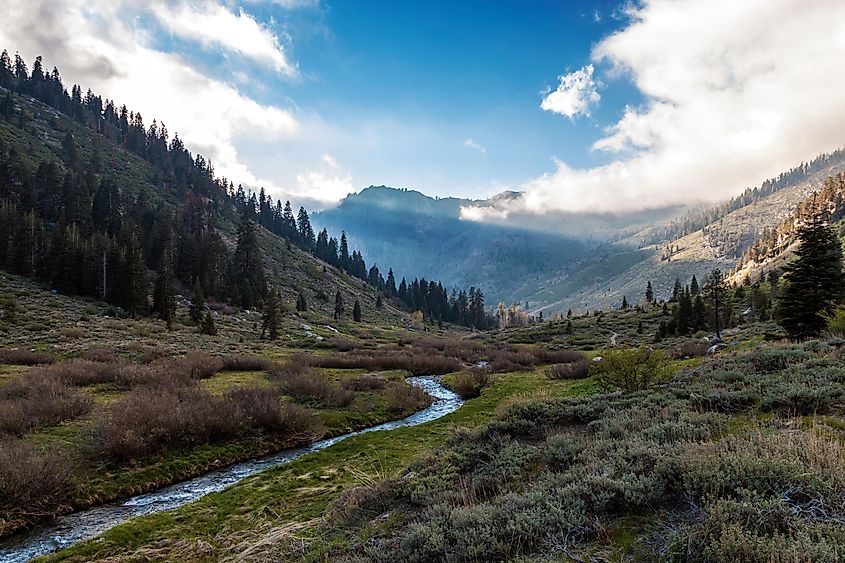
column 735, row 92
column 470, row 144
column 215, row 25
column 98, row 44
column 575, row 94
column 326, row 185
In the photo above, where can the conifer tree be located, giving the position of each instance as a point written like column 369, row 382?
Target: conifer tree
column 379, row 301
column 624, row 302
column 714, row 290
column 676, row 290
column 306, row 232
column 568, row 328
column 343, row 253
column 694, row 288
column 649, row 293
column 699, row 314
column 135, row 287
column 164, row 292
column 301, row 303
column 338, row 305
column 198, row 302
column 271, row 319
column 246, row 275
column 356, row 312
column 815, row 282
column 208, row 327
column 390, row 284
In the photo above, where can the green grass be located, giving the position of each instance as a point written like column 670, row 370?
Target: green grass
column 300, row 491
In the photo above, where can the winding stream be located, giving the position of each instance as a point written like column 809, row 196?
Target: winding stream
column 70, row 529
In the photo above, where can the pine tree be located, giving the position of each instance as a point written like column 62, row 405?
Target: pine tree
column 815, row 282
column 164, row 292
column 714, row 290
column 379, row 301
column 676, row 290
column 356, row 312
column 624, row 302
column 246, row 274
column 271, row 319
column 301, row 303
column 198, row 302
column 568, row 329
column 338, row 305
column 306, row 232
column 694, row 289
column 343, row 253
column 390, row 285
column 699, row 314
column 208, row 327
column 649, row 293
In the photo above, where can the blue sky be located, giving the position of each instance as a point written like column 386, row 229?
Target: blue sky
column 427, row 76
column 606, row 106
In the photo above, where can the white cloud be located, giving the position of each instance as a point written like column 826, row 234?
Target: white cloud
column 470, row 144
column 212, row 24
column 575, row 94
column 735, row 92
column 96, row 44
column 325, row 185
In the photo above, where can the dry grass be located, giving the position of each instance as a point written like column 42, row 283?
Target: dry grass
column 245, row 362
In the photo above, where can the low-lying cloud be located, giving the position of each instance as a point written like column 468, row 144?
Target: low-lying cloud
column 735, row 92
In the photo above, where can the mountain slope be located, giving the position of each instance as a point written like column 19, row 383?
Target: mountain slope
column 718, row 245
column 419, row 235
column 35, row 132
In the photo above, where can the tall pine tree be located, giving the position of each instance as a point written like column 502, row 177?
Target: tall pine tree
column 814, row 280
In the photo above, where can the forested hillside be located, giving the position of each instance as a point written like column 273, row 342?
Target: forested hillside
column 94, row 202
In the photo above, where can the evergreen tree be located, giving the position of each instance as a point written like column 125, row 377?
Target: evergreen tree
column 568, row 329
column 135, row 289
column 306, row 232
column 164, row 292
column 649, row 293
column 699, row 314
column 356, row 312
column 694, row 289
column 343, row 253
column 301, row 303
column 197, row 303
column 390, row 285
column 714, row 290
column 246, row 274
column 208, row 327
column 676, row 290
column 379, row 301
column 271, row 319
column 624, row 302
column 338, row 305
column 815, row 282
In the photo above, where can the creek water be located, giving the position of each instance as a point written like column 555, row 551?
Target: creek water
column 67, row 530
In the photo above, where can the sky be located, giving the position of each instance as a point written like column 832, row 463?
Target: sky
column 583, row 106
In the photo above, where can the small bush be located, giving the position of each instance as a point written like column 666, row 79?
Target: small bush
column 33, row 481
column 690, row 349
column 37, row 400
column 197, row 364
column 81, row 372
column 243, row 362
column 258, row 407
column 104, row 354
column 307, row 386
column 14, row 356
column 405, row 398
column 571, row 370
column 366, row 382
column 632, row 370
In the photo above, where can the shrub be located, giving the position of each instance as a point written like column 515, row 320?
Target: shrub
column 14, row 356
column 405, row 398
column 571, row 370
column 244, row 362
column 258, row 407
column 81, row 372
column 37, row 400
column 465, row 386
column 690, row 349
column 308, row 386
column 366, row 382
column 147, row 420
column 632, row 370
column 417, row 361
column 197, row 364
column 33, row 481
column 104, row 354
